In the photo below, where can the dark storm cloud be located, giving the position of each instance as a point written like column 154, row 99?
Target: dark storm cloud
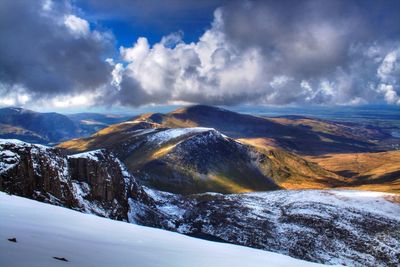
column 310, row 37
column 40, row 53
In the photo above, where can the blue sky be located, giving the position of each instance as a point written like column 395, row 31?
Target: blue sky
column 125, row 54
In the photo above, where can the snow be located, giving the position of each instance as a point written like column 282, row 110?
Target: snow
column 19, row 143
column 165, row 202
column 142, row 131
column 167, row 135
column 93, row 155
column 366, row 201
column 44, row 231
column 9, row 159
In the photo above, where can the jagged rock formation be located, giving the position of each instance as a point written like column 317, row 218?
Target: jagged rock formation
column 94, row 182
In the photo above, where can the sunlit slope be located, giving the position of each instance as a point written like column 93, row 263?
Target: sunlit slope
column 292, row 171
column 369, row 171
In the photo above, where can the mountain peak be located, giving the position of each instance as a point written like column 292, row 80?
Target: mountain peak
column 199, row 109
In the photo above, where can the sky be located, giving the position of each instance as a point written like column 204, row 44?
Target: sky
column 98, row 54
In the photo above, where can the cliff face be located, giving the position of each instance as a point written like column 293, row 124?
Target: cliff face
column 35, row 171
column 94, row 182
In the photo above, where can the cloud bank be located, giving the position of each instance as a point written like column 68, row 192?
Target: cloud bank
column 266, row 52
column 47, row 51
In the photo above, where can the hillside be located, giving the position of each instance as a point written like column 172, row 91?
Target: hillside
column 198, row 159
column 182, row 160
column 36, row 127
column 368, row 171
column 50, row 128
column 44, row 232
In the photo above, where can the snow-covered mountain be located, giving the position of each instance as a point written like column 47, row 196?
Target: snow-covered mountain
column 44, row 233
column 354, row 228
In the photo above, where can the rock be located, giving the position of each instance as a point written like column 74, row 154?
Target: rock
column 94, row 182
column 60, row 259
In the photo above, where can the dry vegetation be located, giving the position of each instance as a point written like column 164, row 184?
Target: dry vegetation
column 378, row 171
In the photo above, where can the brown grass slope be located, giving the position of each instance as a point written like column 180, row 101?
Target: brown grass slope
column 367, row 171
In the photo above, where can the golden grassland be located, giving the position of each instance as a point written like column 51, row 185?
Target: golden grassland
column 379, row 171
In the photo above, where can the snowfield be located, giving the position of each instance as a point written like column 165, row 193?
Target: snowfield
column 44, row 231
column 169, row 134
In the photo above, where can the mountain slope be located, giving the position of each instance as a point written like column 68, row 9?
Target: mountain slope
column 354, row 228
column 181, row 160
column 378, row 171
column 198, row 159
column 43, row 232
column 329, row 226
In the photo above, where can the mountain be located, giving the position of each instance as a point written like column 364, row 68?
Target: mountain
column 48, row 236
column 353, row 228
column 50, row 128
column 312, row 138
column 36, row 127
column 198, row 159
column 357, row 228
column 183, row 160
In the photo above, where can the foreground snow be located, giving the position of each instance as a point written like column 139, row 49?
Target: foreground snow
column 44, row 231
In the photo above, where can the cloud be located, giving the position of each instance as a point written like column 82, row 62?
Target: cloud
column 46, row 50
column 263, row 52
column 77, row 26
column 267, row 53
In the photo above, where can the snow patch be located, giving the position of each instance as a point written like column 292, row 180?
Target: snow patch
column 169, row 134
column 93, row 155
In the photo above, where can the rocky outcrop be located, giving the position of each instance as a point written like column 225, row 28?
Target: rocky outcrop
column 94, row 182
column 36, row 172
